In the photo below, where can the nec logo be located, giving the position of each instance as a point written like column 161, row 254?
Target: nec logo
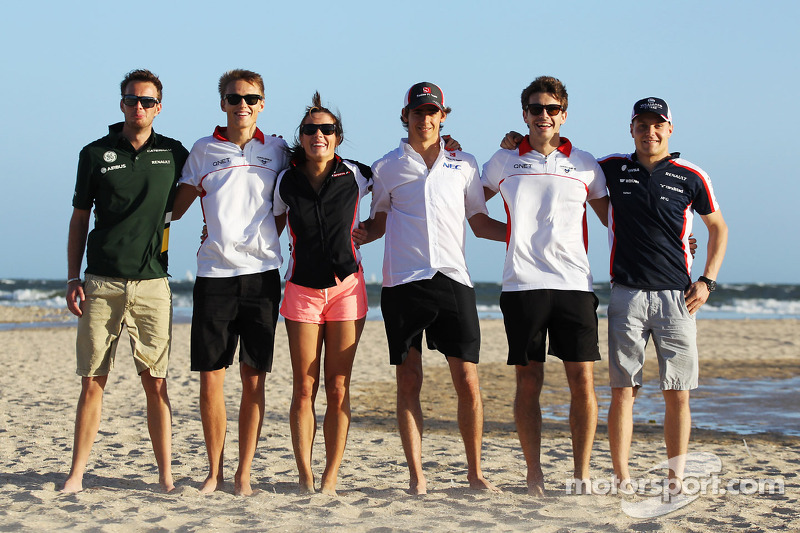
column 221, row 162
column 452, row 166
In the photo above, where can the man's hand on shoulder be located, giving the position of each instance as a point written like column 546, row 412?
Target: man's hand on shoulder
column 511, row 140
column 451, row 144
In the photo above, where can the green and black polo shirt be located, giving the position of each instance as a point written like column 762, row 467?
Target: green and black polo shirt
column 132, row 194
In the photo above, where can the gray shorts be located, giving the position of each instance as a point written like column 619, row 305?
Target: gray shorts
column 634, row 316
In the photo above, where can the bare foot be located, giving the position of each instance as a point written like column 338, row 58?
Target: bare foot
column 167, row 485
column 624, row 486
column 72, row 485
column 242, row 488
column 306, row 489
column 481, row 483
column 536, row 483
column 418, row 487
column 328, row 486
column 580, row 486
column 211, row 484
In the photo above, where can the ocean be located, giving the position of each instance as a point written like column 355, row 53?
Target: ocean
column 729, row 301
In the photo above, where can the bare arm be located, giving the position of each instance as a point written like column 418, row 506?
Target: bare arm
column 600, row 207
column 488, row 193
column 487, row 228
column 183, row 200
column 698, row 292
column 280, row 223
column 370, row 229
column 76, row 245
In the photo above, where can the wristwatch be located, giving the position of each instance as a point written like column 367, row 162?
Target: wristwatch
column 710, row 283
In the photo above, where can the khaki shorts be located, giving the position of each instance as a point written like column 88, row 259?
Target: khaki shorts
column 144, row 307
column 634, row 316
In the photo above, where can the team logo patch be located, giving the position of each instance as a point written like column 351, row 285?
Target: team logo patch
column 426, row 90
column 110, row 157
column 263, row 160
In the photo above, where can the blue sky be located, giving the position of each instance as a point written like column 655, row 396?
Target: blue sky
column 728, row 70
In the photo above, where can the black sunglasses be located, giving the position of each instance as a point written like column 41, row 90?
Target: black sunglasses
column 249, row 99
column 147, row 102
column 536, row 109
column 311, row 129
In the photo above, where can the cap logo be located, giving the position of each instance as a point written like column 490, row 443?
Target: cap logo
column 651, row 100
column 426, row 90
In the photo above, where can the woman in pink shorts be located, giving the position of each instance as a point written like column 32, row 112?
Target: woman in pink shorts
column 325, row 299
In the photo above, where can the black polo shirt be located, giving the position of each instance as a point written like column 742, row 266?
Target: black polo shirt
column 651, row 219
column 131, row 193
column 320, row 223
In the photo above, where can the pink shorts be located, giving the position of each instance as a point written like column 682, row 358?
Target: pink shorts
column 344, row 302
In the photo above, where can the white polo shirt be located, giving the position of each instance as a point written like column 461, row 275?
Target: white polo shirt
column 236, row 187
column 427, row 212
column 545, row 200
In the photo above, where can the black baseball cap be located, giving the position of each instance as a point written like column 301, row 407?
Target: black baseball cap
column 424, row 93
column 652, row 105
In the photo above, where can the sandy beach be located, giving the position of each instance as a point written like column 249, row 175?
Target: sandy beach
column 39, row 390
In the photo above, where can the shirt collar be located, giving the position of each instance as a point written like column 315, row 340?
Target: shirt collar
column 221, row 134
column 565, row 146
column 115, row 131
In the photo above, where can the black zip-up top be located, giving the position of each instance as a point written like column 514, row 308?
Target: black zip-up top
column 320, row 224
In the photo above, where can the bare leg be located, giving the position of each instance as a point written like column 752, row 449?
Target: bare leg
column 409, row 418
column 677, row 428
column 620, row 431
column 87, row 423
column 305, row 347
column 159, row 424
column 341, row 341
column 528, row 417
column 470, row 419
column 251, row 418
column 582, row 417
column 215, row 420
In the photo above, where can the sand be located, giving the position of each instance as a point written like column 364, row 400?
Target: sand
column 39, row 391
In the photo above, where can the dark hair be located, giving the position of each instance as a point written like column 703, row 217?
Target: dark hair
column 549, row 85
column 240, row 74
column 140, row 74
column 446, row 111
column 296, row 152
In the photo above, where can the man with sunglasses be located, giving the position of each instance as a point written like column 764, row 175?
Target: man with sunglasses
column 545, row 184
column 422, row 195
column 129, row 178
column 237, row 289
column 654, row 195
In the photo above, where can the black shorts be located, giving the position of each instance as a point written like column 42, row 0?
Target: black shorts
column 240, row 310
column 569, row 317
column 444, row 309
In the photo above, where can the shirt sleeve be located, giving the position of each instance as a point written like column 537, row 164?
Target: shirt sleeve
column 493, row 172
column 192, row 170
column 597, row 185
column 381, row 201
column 83, row 197
column 279, row 207
column 474, row 199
